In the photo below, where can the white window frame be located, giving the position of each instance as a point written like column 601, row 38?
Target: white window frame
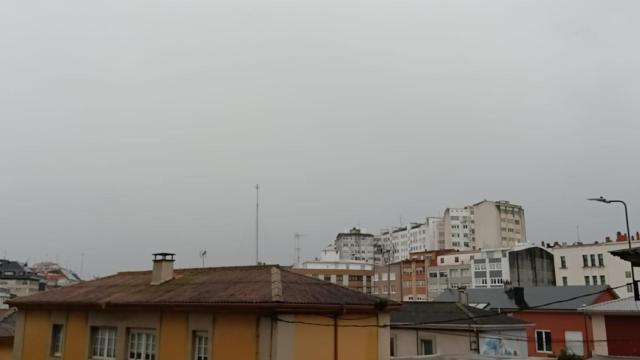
column 145, row 339
column 201, row 345
column 543, row 331
column 109, row 334
column 433, row 344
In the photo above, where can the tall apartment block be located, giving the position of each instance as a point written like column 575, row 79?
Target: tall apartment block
column 487, row 224
column 356, row 245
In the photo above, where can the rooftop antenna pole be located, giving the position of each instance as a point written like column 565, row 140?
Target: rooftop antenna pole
column 297, row 236
column 257, row 219
column 578, row 232
column 81, row 264
column 203, row 254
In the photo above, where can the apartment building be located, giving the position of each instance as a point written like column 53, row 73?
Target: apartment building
column 487, row 224
column 356, row 275
column 247, row 312
column 415, row 237
column 592, row 264
column 387, row 281
column 356, row 245
column 19, row 279
column 451, row 271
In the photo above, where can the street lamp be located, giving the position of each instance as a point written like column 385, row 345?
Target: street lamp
column 602, row 199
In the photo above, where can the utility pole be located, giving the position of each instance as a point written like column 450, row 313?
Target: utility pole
column 297, row 236
column 257, row 222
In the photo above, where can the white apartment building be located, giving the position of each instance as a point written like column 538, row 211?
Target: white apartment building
column 487, row 224
column 356, row 245
column 458, row 229
column 415, row 237
column 592, row 264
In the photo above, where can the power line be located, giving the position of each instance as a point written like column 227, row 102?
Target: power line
column 448, row 321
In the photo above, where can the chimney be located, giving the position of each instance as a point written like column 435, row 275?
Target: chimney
column 620, row 237
column 162, row 268
column 608, row 239
column 637, row 235
column 463, row 297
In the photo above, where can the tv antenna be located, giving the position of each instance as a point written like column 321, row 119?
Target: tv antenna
column 203, row 255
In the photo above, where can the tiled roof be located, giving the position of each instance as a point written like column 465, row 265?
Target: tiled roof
column 268, row 286
column 500, row 298
column 440, row 314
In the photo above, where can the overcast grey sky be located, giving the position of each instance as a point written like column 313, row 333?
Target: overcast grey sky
column 129, row 127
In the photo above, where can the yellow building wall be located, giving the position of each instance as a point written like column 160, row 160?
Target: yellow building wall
column 234, row 336
column 76, row 337
column 174, row 336
column 313, row 342
column 37, row 329
column 6, row 349
column 358, row 343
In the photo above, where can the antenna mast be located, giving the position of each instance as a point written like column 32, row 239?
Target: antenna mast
column 257, row 223
column 297, row 236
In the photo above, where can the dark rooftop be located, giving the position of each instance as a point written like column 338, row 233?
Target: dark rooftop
column 449, row 314
column 500, row 298
column 267, row 286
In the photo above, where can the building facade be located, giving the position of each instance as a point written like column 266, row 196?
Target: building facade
column 253, row 312
column 487, row 224
column 592, row 264
column 356, row 245
column 451, row 271
column 356, row 275
column 19, row 279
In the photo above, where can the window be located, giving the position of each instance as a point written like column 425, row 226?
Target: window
column 56, row 340
column 563, row 262
column 200, row 346
column 339, row 278
column 433, row 274
column 600, row 260
column 392, row 345
column 142, row 345
column 357, row 278
column 543, row 341
column 456, row 259
column 573, row 341
column 586, row 280
column 585, row 261
column 103, row 343
column 593, row 260
column 629, row 288
column 426, row 347
column 603, row 280
column 454, row 273
column 441, row 260
column 595, row 279
column 326, row 277
column 564, row 281
column 443, row 274
column 627, row 274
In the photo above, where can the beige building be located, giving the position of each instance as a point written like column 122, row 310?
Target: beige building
column 487, row 224
column 592, row 264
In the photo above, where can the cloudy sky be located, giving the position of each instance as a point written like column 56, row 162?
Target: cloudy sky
column 129, row 127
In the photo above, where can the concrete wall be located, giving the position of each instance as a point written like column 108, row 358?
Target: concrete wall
column 444, row 342
column 533, row 266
